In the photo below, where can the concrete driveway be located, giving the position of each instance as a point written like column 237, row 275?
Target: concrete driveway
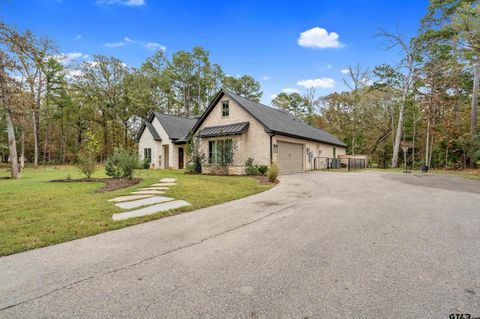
column 319, row 245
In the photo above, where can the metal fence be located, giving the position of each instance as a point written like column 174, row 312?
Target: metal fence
column 337, row 163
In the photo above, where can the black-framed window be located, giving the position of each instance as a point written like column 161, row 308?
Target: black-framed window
column 212, row 151
column 217, row 149
column 147, row 154
column 225, row 108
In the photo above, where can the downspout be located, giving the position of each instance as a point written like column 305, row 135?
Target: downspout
column 271, row 148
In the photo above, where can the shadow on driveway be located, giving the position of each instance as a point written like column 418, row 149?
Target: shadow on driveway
column 437, row 181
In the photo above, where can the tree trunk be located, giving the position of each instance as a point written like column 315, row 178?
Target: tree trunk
column 105, row 139
column 12, row 145
column 431, row 152
column 446, row 157
column 427, row 144
column 473, row 116
column 125, row 134
column 45, row 144
column 413, row 139
column 396, row 145
column 36, row 121
column 22, row 150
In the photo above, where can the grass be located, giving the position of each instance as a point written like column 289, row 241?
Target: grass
column 36, row 213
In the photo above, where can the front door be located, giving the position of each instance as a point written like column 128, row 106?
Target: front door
column 166, row 163
column 180, row 158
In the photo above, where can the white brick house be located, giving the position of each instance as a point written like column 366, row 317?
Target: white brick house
column 263, row 133
column 260, row 132
column 161, row 139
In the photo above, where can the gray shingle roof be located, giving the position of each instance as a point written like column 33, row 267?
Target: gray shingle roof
column 223, row 130
column 152, row 130
column 283, row 123
column 176, row 127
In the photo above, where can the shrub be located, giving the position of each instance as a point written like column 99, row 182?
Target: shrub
column 250, row 168
column 262, row 169
column 145, row 164
column 273, row 173
column 86, row 164
column 121, row 164
column 196, row 156
column 87, row 157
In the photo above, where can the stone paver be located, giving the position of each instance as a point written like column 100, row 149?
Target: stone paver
column 148, row 192
column 158, row 188
column 128, row 198
column 164, row 184
column 144, row 202
column 168, row 180
column 149, row 210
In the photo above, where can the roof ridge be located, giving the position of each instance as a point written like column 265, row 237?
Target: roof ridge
column 177, row 116
column 261, row 104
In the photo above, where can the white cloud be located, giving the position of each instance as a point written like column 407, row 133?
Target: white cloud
column 273, row 96
column 155, row 46
column 290, row 90
column 266, row 77
column 78, row 37
column 128, row 40
column 115, row 44
column 128, row 3
column 67, row 58
column 317, row 83
column 319, row 38
column 345, row 71
column 72, row 73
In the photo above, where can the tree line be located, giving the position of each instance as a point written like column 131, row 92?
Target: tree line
column 427, row 103
column 48, row 103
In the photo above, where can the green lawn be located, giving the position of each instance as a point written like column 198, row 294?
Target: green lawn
column 36, row 213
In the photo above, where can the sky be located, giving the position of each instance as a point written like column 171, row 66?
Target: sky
column 287, row 46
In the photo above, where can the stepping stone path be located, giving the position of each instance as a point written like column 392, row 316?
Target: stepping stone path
column 140, row 192
column 163, row 184
column 149, row 210
column 153, row 189
column 128, row 198
column 144, row 202
column 147, row 201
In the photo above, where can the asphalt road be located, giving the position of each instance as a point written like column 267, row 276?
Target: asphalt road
column 319, row 245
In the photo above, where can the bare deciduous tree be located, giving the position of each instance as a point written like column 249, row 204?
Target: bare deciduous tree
column 408, row 68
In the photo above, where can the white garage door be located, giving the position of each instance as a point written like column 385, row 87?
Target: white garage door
column 290, row 157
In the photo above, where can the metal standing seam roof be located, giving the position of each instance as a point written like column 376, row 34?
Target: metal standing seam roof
column 223, row 130
column 281, row 122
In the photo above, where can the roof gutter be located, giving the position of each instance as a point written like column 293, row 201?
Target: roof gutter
column 306, row 138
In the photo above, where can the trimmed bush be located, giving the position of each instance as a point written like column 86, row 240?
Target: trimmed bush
column 121, row 164
column 262, row 169
column 250, row 168
column 273, row 173
column 145, row 164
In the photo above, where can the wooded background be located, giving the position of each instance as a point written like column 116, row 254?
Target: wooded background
column 428, row 100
